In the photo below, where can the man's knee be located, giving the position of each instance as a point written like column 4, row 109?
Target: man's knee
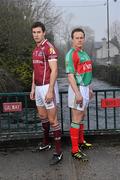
column 82, row 115
column 43, row 117
column 52, row 116
column 53, row 121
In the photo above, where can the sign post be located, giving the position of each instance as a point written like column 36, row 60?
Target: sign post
column 12, row 107
column 110, row 102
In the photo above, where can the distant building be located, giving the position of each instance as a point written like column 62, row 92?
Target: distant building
column 101, row 51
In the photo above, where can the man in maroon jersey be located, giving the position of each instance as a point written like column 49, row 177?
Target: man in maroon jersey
column 44, row 88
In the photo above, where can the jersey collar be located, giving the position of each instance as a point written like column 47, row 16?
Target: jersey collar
column 42, row 42
column 78, row 49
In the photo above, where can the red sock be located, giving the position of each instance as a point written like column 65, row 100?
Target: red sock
column 57, row 138
column 81, row 134
column 74, row 134
column 46, row 127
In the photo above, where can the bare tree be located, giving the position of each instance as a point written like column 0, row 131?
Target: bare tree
column 65, row 35
column 89, row 43
column 115, row 34
column 115, row 30
column 45, row 11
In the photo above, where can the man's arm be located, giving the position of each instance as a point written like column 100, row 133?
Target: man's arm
column 79, row 98
column 91, row 93
column 32, row 93
column 53, row 76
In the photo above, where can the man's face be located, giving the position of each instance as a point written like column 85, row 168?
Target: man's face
column 38, row 34
column 78, row 40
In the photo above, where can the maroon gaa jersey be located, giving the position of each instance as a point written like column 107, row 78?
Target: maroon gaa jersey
column 41, row 56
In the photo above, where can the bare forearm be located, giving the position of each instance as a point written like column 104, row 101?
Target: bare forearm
column 73, row 84
column 90, row 87
column 33, row 82
column 53, row 77
column 32, row 93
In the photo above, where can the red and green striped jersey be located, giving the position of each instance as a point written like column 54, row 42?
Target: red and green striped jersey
column 78, row 63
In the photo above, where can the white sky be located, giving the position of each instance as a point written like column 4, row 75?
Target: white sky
column 92, row 13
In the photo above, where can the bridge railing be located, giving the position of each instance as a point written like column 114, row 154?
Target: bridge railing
column 19, row 117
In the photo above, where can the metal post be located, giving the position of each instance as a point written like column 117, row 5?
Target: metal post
column 108, row 28
column 108, row 31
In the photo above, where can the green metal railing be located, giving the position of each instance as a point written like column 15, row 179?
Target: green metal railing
column 26, row 123
column 98, row 120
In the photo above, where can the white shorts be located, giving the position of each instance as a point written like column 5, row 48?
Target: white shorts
column 72, row 100
column 40, row 93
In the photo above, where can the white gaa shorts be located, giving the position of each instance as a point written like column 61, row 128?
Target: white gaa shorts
column 72, row 100
column 40, row 93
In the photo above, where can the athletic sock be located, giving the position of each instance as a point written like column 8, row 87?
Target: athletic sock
column 46, row 128
column 74, row 134
column 57, row 138
column 81, row 134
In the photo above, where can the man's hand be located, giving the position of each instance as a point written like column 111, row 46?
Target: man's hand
column 79, row 100
column 49, row 96
column 91, row 94
column 32, row 95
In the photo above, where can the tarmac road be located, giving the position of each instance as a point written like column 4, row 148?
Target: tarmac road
column 22, row 163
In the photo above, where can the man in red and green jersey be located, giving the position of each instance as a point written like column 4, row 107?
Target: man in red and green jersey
column 79, row 63
column 79, row 70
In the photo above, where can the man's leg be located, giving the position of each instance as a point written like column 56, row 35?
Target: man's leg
column 74, row 130
column 81, row 133
column 46, row 127
column 52, row 116
column 43, row 116
column 74, row 134
column 82, row 142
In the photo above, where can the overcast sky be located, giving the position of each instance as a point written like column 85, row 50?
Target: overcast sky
column 92, row 13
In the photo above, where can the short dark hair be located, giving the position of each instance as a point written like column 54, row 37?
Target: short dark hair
column 38, row 24
column 77, row 30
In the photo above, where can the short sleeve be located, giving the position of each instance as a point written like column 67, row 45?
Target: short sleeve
column 52, row 53
column 69, row 63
